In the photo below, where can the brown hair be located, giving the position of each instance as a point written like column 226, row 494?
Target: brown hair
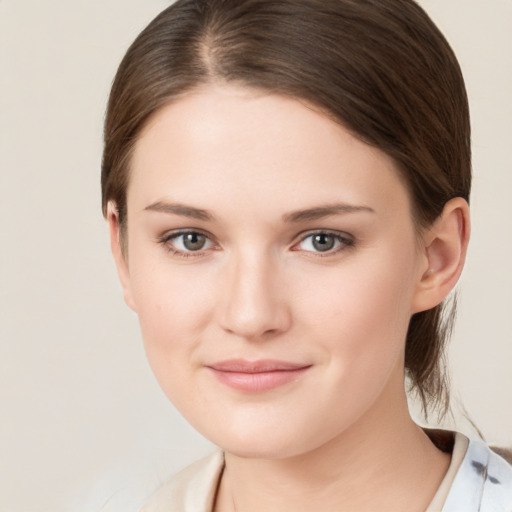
column 379, row 67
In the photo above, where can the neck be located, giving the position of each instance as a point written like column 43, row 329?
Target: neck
column 384, row 461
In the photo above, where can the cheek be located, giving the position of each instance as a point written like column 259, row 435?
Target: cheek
column 368, row 295
column 360, row 312
column 174, row 306
column 358, row 319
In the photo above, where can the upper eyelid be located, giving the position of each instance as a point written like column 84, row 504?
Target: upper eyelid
column 334, row 232
column 168, row 235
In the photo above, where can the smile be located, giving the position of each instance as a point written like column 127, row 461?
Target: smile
column 257, row 376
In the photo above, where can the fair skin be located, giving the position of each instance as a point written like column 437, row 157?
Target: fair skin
column 258, row 230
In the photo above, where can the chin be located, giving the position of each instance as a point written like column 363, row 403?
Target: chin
column 265, row 443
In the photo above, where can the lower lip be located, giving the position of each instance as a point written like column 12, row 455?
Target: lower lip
column 259, row 381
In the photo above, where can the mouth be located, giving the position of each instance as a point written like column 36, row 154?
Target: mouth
column 257, row 376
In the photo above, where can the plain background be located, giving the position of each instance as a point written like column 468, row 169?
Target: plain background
column 82, row 417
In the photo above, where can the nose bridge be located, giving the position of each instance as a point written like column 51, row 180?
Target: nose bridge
column 254, row 304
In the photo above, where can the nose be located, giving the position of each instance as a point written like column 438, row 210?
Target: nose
column 254, row 305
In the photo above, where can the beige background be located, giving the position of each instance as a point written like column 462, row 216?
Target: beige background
column 82, row 417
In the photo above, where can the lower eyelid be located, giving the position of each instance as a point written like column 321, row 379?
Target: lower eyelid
column 184, row 254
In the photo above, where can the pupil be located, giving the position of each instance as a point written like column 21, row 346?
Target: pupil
column 194, row 241
column 323, row 242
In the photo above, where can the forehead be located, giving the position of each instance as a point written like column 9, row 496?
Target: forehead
column 234, row 145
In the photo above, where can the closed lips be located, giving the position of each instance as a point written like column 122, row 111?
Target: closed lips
column 257, row 376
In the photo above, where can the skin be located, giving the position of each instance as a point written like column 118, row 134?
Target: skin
column 340, row 433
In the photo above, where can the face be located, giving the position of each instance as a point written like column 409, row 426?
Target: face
column 273, row 263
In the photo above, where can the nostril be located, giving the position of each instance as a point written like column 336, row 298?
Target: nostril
column 256, row 324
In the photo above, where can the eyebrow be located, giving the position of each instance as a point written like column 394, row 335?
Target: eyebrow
column 180, row 209
column 309, row 214
column 319, row 212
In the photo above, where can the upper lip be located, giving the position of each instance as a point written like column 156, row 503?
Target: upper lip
column 260, row 366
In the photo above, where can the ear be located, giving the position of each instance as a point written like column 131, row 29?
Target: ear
column 444, row 246
column 120, row 257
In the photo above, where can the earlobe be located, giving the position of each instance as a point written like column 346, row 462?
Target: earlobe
column 119, row 255
column 445, row 247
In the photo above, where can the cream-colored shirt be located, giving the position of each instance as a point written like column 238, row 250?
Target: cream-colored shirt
column 460, row 447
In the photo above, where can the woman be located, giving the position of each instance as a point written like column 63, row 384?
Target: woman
column 286, row 184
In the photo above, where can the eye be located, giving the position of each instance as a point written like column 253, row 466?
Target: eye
column 324, row 242
column 187, row 242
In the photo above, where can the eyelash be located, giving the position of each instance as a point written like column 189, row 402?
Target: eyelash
column 344, row 240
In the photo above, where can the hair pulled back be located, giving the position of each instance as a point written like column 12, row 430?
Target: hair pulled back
column 381, row 68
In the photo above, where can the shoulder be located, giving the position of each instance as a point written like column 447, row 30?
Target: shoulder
column 483, row 482
column 191, row 490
